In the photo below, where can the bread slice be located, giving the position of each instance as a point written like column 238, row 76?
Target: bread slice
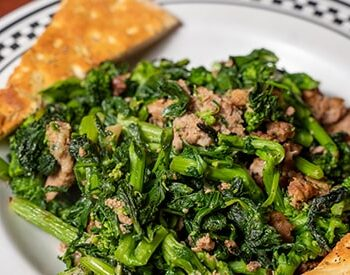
column 81, row 35
column 337, row 261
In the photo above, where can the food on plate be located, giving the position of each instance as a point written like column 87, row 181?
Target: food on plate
column 337, row 261
column 82, row 34
column 167, row 169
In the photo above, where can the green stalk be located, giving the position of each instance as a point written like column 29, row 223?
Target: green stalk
column 227, row 174
column 137, row 166
column 162, row 162
column 276, row 149
column 311, row 124
column 188, row 167
column 321, row 136
column 150, row 132
column 250, row 145
column 132, row 254
column 96, row 265
column 271, row 178
column 44, row 220
column 145, row 249
column 308, row 168
column 303, row 137
column 179, row 255
column 4, row 170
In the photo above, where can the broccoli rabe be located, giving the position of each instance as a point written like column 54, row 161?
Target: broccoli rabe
column 258, row 185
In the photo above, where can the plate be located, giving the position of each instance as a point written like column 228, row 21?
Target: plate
column 311, row 36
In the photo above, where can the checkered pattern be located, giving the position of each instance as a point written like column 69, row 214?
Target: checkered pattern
column 22, row 36
column 334, row 14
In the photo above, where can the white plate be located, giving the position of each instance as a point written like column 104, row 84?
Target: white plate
column 311, row 36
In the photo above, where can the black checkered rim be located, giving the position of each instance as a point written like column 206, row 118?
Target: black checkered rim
column 332, row 14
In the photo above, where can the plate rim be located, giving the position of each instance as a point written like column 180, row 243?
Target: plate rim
column 164, row 2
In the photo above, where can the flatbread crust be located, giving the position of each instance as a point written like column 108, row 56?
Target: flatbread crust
column 81, row 35
column 337, row 261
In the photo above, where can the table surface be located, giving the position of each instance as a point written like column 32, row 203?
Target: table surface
column 7, row 6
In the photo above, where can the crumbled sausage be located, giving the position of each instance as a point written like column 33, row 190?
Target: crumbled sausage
column 231, row 246
column 321, row 186
column 317, row 149
column 231, row 116
column 119, row 85
column 256, row 170
column 341, row 126
column 184, row 86
column 291, row 150
column 302, row 189
column 282, row 225
column 206, row 100
column 253, row 266
column 327, row 110
column 185, row 129
column 156, row 108
column 204, row 243
column 262, row 135
column 93, row 224
column 81, row 152
column 118, row 207
column 238, row 97
column 280, row 130
column 58, row 137
column 290, row 111
column 224, row 107
column 224, row 186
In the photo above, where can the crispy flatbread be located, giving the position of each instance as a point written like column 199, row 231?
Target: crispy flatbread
column 337, row 261
column 81, row 35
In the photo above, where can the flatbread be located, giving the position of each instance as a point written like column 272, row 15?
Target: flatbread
column 337, row 261
column 82, row 34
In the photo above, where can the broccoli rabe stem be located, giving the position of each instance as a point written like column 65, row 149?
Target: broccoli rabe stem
column 190, row 167
column 96, row 265
column 250, row 145
column 162, row 162
column 4, row 170
column 271, row 178
column 227, row 174
column 150, row 132
column 137, row 166
column 179, row 255
column 303, row 137
column 271, row 152
column 44, row 220
column 308, row 168
column 321, row 136
column 131, row 253
column 311, row 124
